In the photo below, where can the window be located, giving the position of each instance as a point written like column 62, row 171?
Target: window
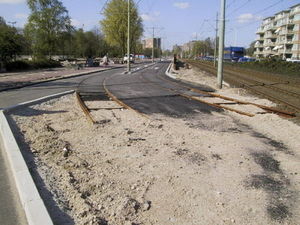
column 295, row 47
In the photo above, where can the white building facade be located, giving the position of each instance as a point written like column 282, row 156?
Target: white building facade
column 279, row 35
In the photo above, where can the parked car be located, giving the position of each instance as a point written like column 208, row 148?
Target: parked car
column 246, row 59
column 293, row 60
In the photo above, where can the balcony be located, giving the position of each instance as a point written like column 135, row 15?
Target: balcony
column 258, row 53
column 259, row 38
column 258, row 45
column 270, row 36
column 269, row 44
column 284, row 51
column 272, row 27
column 283, row 32
column 270, row 52
column 260, row 31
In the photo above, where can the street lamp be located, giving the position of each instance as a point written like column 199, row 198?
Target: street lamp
column 128, row 39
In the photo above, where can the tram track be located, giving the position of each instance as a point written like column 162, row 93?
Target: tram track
column 232, row 101
column 188, row 91
column 282, row 90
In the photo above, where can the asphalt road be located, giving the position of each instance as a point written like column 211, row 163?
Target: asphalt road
column 157, row 96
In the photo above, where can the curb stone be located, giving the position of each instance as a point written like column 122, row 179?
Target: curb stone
column 31, row 201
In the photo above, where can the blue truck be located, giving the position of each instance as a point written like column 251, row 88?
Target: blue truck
column 233, row 53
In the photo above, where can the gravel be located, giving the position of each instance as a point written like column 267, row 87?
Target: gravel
column 218, row 168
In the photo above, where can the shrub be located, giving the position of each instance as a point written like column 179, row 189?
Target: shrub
column 17, row 65
column 273, row 66
column 36, row 64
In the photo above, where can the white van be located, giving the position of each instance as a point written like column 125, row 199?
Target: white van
column 132, row 59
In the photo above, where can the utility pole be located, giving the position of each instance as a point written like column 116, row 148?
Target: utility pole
column 128, row 39
column 215, row 51
column 153, row 41
column 221, row 44
column 196, row 48
column 153, row 46
column 216, row 29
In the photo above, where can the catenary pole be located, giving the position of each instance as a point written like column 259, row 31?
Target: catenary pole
column 128, row 39
column 153, row 46
column 221, row 44
column 216, row 38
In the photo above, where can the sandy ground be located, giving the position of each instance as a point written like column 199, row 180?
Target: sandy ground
column 219, row 168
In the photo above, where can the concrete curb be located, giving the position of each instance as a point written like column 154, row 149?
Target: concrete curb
column 32, row 203
column 170, row 74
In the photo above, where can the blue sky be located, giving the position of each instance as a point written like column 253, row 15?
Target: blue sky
column 175, row 21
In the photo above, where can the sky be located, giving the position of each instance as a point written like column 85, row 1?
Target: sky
column 174, row 21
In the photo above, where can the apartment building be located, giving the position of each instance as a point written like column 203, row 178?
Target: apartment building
column 279, row 35
column 152, row 42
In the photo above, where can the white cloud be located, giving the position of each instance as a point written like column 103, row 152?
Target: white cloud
column 154, row 17
column 21, row 16
column 182, row 5
column 77, row 23
column 146, row 17
column 244, row 18
column 12, row 1
column 248, row 17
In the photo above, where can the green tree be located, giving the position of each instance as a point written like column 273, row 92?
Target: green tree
column 11, row 42
column 167, row 53
column 65, row 44
column 251, row 49
column 46, row 23
column 115, row 24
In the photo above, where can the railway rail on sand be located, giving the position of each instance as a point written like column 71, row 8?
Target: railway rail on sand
column 285, row 91
column 102, row 93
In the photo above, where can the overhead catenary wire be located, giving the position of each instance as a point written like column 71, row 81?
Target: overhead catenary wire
column 239, row 8
column 104, row 6
column 257, row 20
column 230, row 4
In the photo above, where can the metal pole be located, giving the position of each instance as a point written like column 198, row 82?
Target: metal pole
column 128, row 39
column 221, row 44
column 215, row 51
column 153, row 46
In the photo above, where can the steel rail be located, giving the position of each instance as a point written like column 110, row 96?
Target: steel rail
column 259, row 83
column 259, row 74
column 290, row 105
column 119, row 101
column 87, row 110
column 281, row 112
column 84, row 107
column 197, row 99
column 268, row 109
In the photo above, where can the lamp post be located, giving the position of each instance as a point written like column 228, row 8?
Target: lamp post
column 221, row 44
column 128, row 39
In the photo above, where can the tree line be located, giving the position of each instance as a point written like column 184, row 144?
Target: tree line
column 49, row 32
